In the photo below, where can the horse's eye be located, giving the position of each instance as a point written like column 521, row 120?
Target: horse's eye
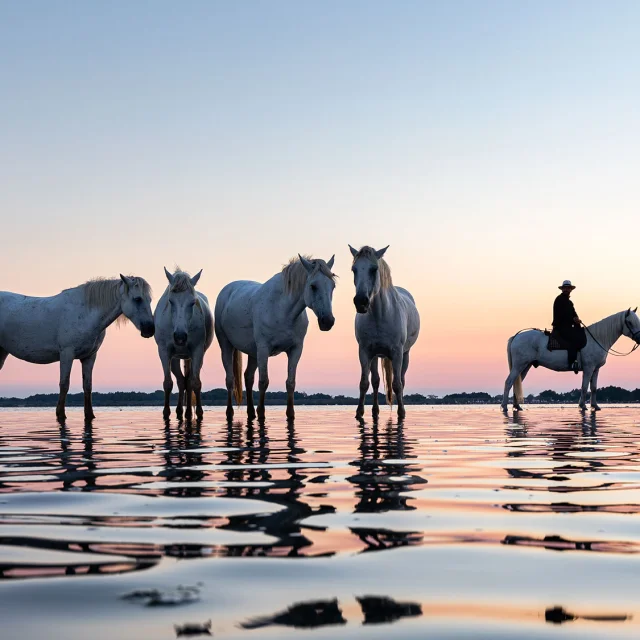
column 138, row 300
column 373, row 270
column 314, row 288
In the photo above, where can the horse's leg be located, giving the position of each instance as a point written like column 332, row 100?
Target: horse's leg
column 586, row 378
column 196, row 385
column 405, row 366
column 187, row 375
column 87, row 384
column 594, row 389
column 294, row 357
column 3, row 356
column 249, row 377
column 66, row 362
column 375, row 384
column 511, row 378
column 226, row 350
column 365, row 366
column 397, row 362
column 263, row 378
column 188, row 390
column 176, row 369
column 167, row 384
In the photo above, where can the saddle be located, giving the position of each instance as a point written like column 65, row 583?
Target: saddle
column 556, row 343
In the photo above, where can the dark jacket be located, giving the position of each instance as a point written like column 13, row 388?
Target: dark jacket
column 563, row 313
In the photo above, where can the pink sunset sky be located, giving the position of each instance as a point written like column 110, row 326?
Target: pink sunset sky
column 495, row 150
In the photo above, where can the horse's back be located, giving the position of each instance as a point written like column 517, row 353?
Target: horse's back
column 413, row 316
column 207, row 318
column 405, row 294
column 233, row 315
column 29, row 326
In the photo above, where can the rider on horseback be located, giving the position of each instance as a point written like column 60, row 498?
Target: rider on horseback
column 567, row 326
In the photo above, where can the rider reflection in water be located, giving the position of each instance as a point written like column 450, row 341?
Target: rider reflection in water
column 567, row 325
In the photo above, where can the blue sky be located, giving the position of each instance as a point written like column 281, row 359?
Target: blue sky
column 480, row 140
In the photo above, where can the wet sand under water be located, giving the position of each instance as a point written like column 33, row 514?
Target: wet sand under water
column 460, row 523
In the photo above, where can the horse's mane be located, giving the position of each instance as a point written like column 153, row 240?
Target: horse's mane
column 181, row 282
column 103, row 293
column 295, row 275
column 607, row 330
column 385, row 272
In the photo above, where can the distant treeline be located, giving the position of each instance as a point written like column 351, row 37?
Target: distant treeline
column 218, row 397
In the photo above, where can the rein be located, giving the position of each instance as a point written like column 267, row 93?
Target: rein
column 613, row 352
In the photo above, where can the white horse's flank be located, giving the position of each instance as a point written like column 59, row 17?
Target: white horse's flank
column 263, row 320
column 387, row 326
column 529, row 347
column 184, row 331
column 71, row 326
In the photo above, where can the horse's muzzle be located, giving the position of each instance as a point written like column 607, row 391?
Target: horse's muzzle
column 326, row 323
column 147, row 329
column 362, row 304
column 179, row 338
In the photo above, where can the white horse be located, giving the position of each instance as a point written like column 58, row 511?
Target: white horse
column 71, row 326
column 387, row 326
column 184, row 331
column 263, row 320
column 530, row 348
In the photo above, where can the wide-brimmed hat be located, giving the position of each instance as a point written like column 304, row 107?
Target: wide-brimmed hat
column 566, row 283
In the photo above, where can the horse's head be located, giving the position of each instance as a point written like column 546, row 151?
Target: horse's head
column 368, row 275
column 135, row 303
column 631, row 326
column 181, row 298
column 318, row 290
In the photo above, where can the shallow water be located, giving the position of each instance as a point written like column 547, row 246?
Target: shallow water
column 460, row 523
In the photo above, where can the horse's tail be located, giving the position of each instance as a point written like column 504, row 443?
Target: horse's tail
column 237, row 376
column 518, row 395
column 387, row 379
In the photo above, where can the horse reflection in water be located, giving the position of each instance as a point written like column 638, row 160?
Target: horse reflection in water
column 578, row 437
column 250, row 454
column 79, row 469
column 382, row 484
column 321, row 613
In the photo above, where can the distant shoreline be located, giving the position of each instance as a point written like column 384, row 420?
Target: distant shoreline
column 218, row 397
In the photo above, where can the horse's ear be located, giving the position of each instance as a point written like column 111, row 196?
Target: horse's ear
column 635, row 309
column 194, row 280
column 628, row 312
column 306, row 263
column 126, row 281
column 354, row 252
column 381, row 252
column 330, row 263
column 169, row 276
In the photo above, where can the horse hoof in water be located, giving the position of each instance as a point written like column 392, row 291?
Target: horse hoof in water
column 291, row 415
column 595, row 407
column 251, row 414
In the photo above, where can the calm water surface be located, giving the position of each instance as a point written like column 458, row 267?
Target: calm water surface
column 460, row 523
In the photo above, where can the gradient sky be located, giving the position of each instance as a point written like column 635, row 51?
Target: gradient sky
column 493, row 145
